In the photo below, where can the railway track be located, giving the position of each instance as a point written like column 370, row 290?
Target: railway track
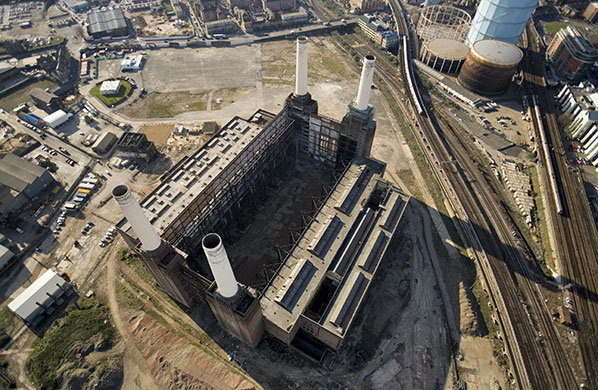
column 532, row 346
column 575, row 233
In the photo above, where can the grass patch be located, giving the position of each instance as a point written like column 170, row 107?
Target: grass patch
column 483, row 302
column 87, row 319
column 554, row 27
column 112, row 99
column 167, row 105
column 56, row 41
column 167, row 6
column 9, row 102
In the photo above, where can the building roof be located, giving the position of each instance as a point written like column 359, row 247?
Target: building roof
column 25, row 305
column 448, row 49
column 577, row 44
column 5, row 256
column 186, row 181
column 106, row 21
column 57, row 118
column 42, row 95
column 497, row 52
column 110, row 87
column 104, row 142
column 344, row 243
column 74, row 4
column 5, row 67
column 17, row 173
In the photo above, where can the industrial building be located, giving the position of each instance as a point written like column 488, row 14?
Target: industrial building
column 571, row 54
column 591, row 13
column 131, row 63
column 366, row 6
column 41, row 298
column 279, row 5
column 104, row 143
column 106, row 23
column 501, row 20
column 78, row 6
column 24, row 177
column 310, row 302
column 47, row 101
column 110, row 87
column 57, row 118
column 135, row 146
column 489, row 67
column 582, row 104
column 6, row 257
column 225, row 26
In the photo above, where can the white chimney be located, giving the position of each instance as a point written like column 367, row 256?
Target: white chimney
column 220, row 265
column 365, row 84
column 301, row 68
column 136, row 217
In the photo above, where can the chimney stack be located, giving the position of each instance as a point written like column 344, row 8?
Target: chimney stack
column 220, row 265
column 301, row 67
column 365, row 84
column 136, row 217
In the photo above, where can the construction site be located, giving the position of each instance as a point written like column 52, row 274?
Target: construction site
column 343, row 214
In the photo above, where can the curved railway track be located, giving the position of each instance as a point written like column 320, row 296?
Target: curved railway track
column 575, row 233
column 532, row 346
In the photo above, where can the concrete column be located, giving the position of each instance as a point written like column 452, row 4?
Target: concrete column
column 220, row 265
column 301, row 67
column 136, row 217
column 365, row 83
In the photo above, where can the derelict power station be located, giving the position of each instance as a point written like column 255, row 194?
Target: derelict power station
column 180, row 228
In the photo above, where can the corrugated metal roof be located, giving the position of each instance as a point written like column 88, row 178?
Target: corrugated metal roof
column 25, row 305
column 107, row 20
column 17, row 173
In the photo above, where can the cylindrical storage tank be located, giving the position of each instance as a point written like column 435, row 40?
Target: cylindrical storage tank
column 502, row 20
column 136, row 218
column 444, row 55
column 489, row 67
column 220, row 265
column 442, row 21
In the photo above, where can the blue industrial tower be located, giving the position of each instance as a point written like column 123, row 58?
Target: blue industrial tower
column 502, row 20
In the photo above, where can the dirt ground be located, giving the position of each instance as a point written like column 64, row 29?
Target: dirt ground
column 158, row 134
column 148, row 25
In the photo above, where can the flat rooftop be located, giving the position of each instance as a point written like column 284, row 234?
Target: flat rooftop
column 192, row 175
column 343, row 244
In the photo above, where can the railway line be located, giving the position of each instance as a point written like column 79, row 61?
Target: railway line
column 574, row 230
column 531, row 343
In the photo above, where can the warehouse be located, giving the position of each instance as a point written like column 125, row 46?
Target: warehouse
column 47, row 101
column 104, row 143
column 57, row 118
column 107, row 23
column 311, row 300
column 41, row 298
column 132, row 63
column 6, row 257
column 110, row 87
column 23, row 177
